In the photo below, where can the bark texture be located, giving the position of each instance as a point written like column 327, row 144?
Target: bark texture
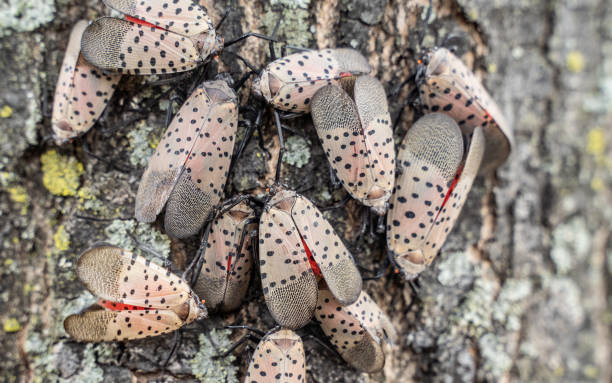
column 521, row 290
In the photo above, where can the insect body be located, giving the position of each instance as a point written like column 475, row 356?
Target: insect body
column 431, row 187
column 82, row 91
column 190, row 165
column 360, row 332
column 155, row 37
column 297, row 246
column 226, row 270
column 139, row 298
column 279, row 357
column 450, row 87
column 357, row 137
column 290, row 82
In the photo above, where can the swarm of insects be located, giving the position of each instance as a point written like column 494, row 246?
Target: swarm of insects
column 307, row 272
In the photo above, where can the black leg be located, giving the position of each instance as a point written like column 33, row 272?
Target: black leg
column 281, row 150
column 246, row 36
column 337, row 205
column 335, row 182
column 177, row 342
column 380, row 272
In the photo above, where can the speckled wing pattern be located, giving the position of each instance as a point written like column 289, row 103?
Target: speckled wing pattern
column 191, row 163
column 184, row 17
column 117, row 275
column 129, row 47
column 159, row 301
column 82, row 91
column 358, row 139
column 428, row 160
column 450, row 87
column 100, row 325
column 289, row 83
column 360, row 331
column 289, row 284
column 226, row 270
column 328, row 250
column 279, row 357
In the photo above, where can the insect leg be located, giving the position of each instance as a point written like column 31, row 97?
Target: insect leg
column 282, row 148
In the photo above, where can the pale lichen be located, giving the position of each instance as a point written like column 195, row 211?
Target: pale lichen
column 60, row 173
column 206, row 367
column 24, row 16
column 123, row 233
column 61, row 239
column 297, row 151
column 143, row 141
column 294, row 24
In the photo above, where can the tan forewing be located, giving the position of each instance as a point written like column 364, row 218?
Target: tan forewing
column 328, row 250
column 428, row 160
column 184, row 17
column 167, row 163
column 117, row 275
column 373, row 109
column 289, row 285
column 451, row 210
column 279, row 357
column 107, row 326
column 200, row 186
column 131, row 48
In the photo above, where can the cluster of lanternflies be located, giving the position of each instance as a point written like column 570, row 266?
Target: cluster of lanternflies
column 306, row 270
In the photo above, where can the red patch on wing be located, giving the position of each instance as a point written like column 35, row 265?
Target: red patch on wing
column 452, row 187
column 345, row 74
column 313, row 263
column 141, row 22
column 116, row 306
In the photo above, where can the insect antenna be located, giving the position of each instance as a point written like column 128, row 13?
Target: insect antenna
column 281, row 151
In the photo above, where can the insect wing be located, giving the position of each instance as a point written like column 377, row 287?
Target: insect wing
column 451, row 209
column 328, row 250
column 279, row 357
column 225, row 273
column 82, row 91
column 358, row 331
column 200, row 185
column 117, row 275
column 450, row 87
column 289, row 284
column 132, row 48
column 290, row 83
column 428, row 160
column 183, row 16
column 100, row 325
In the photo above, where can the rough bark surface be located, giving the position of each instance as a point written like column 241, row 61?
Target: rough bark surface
column 521, row 290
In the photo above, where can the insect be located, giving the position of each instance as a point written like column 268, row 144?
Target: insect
column 431, row 187
column 279, row 357
column 226, row 269
column 188, row 171
column 289, row 83
column 357, row 137
column 448, row 86
column 82, row 91
column 155, row 37
column 138, row 298
column 298, row 246
column 360, row 332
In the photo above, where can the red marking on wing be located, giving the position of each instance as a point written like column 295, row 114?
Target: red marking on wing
column 345, row 74
column 116, row 306
column 141, row 22
column 450, row 189
column 313, row 263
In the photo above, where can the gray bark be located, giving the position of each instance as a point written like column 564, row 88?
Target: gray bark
column 520, row 291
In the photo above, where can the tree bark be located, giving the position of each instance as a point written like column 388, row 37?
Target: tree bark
column 521, row 289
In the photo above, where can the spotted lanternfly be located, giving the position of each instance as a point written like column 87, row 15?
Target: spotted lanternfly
column 432, row 185
column 82, row 91
column 279, row 357
column 138, row 298
column 290, row 82
column 361, row 332
column 298, row 246
column 357, row 136
column 226, row 270
column 190, row 165
column 155, row 37
column 450, row 87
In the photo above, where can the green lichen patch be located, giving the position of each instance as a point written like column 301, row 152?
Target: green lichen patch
column 295, row 26
column 121, row 233
column 24, row 16
column 60, row 173
column 297, row 151
column 143, row 141
column 206, row 367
